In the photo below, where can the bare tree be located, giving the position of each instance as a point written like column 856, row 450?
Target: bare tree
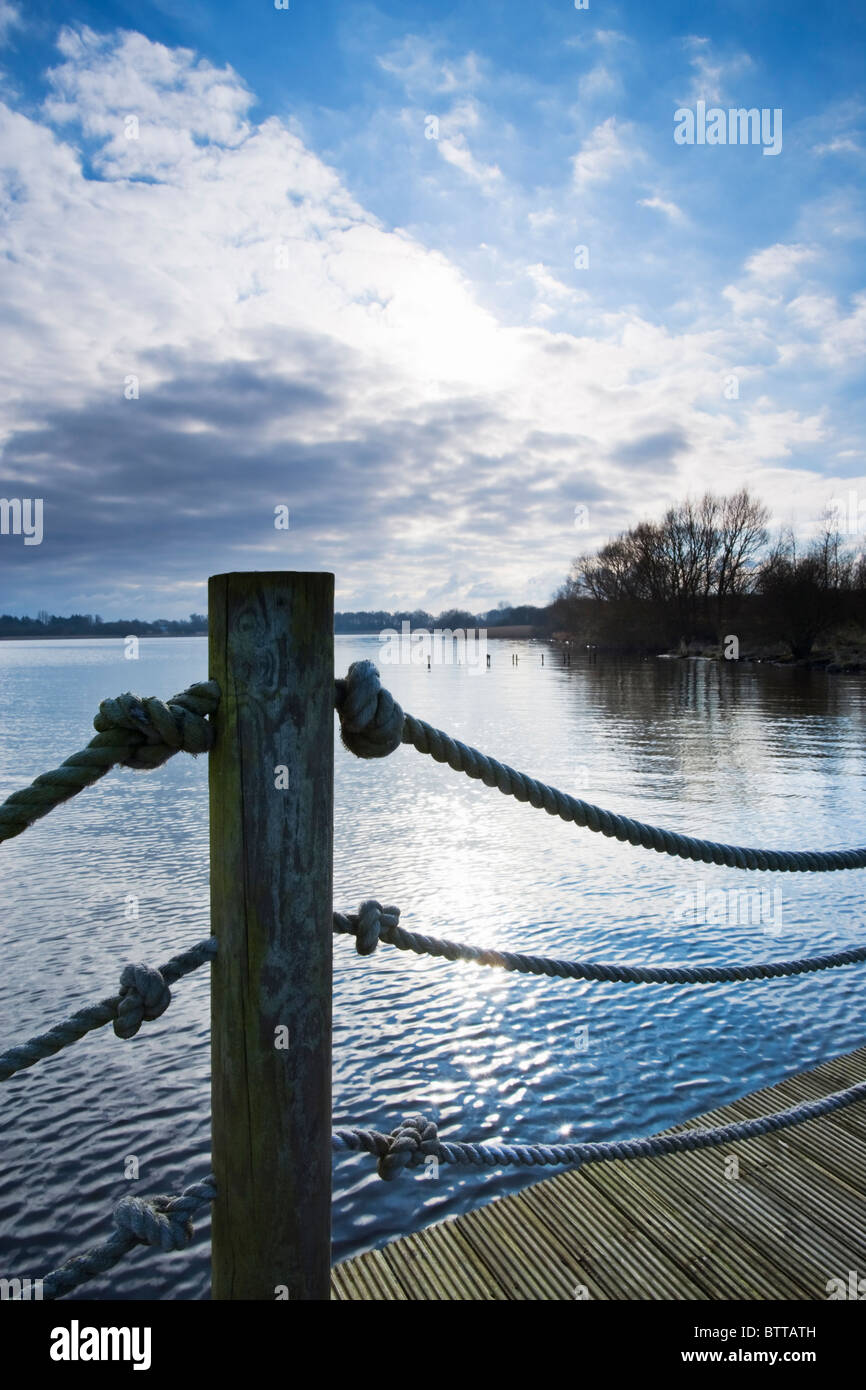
column 742, row 537
column 684, row 572
column 806, row 594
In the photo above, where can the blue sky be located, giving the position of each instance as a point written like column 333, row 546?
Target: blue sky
column 325, row 258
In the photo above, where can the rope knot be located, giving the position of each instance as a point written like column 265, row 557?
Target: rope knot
column 153, row 1221
column 371, row 721
column 374, row 921
column 413, row 1137
column 163, row 727
column 143, row 995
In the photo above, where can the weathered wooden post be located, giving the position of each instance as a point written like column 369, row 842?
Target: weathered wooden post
column 271, row 847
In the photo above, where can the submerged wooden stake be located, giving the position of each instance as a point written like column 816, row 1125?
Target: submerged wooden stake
column 271, row 847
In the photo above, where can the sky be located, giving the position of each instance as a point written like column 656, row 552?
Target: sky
column 434, row 286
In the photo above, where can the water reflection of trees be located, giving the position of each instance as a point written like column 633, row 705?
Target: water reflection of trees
column 697, row 722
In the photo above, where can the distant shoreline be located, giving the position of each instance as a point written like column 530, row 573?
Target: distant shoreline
column 515, row 634
column 852, row 664
column 94, row 637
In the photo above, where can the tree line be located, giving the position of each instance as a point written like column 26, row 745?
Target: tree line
column 91, row 625
column 369, row 620
column 451, row 619
column 709, row 569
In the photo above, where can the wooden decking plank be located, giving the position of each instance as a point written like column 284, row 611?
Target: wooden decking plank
column 844, row 1130
column 848, row 1124
column 672, row 1227
column 819, row 1143
column 829, row 1134
column 847, row 1068
column 739, row 1221
column 518, row 1250
column 597, row 1231
column 816, row 1158
column 422, row 1277
column 365, row 1278
column 711, row 1253
column 784, row 1234
column 427, row 1266
column 453, row 1246
column 806, row 1085
column 735, row 1232
column 473, row 1251
column 806, row 1185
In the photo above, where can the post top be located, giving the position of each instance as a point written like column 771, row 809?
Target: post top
column 272, row 574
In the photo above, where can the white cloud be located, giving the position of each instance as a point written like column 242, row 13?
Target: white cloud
column 286, row 341
column 841, row 144
column 10, row 18
column 151, row 107
column 457, row 152
column 836, row 127
column 551, row 295
column 454, row 147
column 605, row 38
column 834, row 336
column 608, row 149
column 816, row 312
column 597, row 83
column 415, row 63
column 750, row 303
column 715, row 78
column 779, row 262
column 662, row 205
column 806, row 326
column 547, row 283
column 545, row 217
column 760, row 293
column 464, row 114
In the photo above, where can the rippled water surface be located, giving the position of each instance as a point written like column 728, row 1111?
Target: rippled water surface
column 756, row 756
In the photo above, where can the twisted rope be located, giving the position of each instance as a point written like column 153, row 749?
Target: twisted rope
column 417, row 1138
column 144, row 733
column 132, row 731
column 372, row 725
column 165, row 1222
column 144, row 994
column 373, row 923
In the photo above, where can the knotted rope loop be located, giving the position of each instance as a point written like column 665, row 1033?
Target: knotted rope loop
column 413, row 1137
column 143, row 995
column 373, row 724
column 163, row 728
column 154, row 1221
column 135, row 732
column 165, row 1222
column 373, row 923
column 417, row 1136
column 371, row 721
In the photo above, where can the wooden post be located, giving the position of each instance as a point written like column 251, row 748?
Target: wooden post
column 271, row 850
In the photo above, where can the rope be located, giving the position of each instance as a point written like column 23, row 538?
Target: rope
column 373, row 923
column 135, row 732
column 165, row 1222
column 372, row 725
column 416, row 1138
column 144, row 733
column 144, row 994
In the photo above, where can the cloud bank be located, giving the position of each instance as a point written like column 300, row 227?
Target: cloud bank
column 202, row 323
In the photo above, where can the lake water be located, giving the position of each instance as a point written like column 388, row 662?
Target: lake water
column 756, row 756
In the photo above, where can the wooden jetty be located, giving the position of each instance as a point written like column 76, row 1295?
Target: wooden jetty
column 776, row 1216
column 781, row 1222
